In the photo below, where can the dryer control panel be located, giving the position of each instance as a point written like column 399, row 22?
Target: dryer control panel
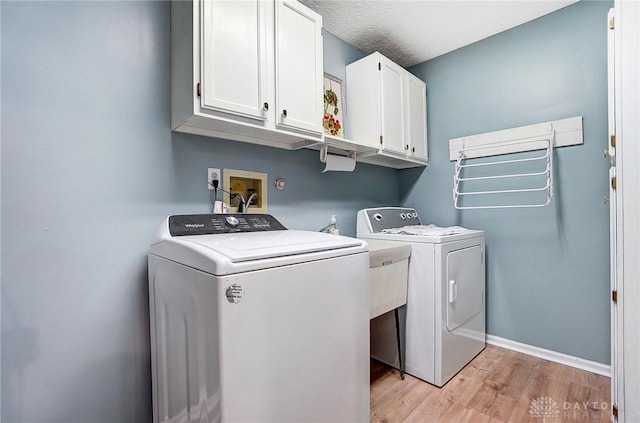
column 386, row 218
column 207, row 224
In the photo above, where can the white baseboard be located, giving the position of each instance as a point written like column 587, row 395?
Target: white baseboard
column 556, row 357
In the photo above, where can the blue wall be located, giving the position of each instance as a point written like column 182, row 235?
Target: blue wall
column 89, row 170
column 547, row 268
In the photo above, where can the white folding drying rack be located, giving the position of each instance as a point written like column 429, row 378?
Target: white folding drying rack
column 545, row 136
column 545, row 175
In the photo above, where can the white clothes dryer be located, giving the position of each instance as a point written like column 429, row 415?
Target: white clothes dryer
column 445, row 312
column 251, row 322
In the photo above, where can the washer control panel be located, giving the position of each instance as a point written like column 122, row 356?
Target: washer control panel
column 207, row 224
column 392, row 217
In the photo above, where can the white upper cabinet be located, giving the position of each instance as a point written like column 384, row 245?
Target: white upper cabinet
column 415, row 117
column 247, row 70
column 235, row 74
column 392, row 107
column 386, row 108
column 299, row 70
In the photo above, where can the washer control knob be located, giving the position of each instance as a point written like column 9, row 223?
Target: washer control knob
column 403, row 216
column 232, row 221
column 415, row 215
column 377, row 217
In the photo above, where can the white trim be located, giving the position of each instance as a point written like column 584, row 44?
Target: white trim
column 556, row 357
column 627, row 104
column 567, row 132
column 615, row 212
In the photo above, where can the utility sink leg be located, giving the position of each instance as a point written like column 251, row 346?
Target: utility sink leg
column 400, row 358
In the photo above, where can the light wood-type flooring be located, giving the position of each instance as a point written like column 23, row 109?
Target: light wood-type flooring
column 499, row 385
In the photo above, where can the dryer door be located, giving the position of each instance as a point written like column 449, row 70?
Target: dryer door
column 464, row 285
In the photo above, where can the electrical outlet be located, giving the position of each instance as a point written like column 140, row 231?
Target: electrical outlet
column 213, row 173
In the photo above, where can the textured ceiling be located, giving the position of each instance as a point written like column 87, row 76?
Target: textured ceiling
column 412, row 31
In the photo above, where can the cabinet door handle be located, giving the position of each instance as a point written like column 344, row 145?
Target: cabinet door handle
column 406, row 146
column 265, row 107
column 413, row 149
column 284, row 113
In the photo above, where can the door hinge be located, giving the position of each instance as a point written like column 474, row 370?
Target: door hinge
column 614, row 182
column 614, row 411
column 614, row 296
column 612, row 22
column 198, row 90
column 380, row 139
column 379, row 66
column 612, row 140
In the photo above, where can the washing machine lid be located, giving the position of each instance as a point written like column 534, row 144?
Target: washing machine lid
column 222, row 253
column 243, row 247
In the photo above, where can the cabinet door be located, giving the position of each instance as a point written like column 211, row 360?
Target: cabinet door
column 416, row 117
column 299, row 69
column 392, row 104
column 363, row 124
column 234, row 66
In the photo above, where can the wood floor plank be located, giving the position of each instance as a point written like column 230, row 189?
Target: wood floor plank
column 460, row 414
column 498, row 386
column 400, row 407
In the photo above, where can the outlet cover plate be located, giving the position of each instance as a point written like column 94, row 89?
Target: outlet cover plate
column 210, row 177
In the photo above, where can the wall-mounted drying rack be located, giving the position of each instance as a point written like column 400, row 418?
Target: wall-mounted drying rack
column 494, row 184
column 535, row 177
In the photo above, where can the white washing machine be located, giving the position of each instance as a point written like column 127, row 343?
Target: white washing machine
column 251, row 322
column 445, row 312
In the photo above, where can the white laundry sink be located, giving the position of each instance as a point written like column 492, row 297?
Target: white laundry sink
column 388, row 267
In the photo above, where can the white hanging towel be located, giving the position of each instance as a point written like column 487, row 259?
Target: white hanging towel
column 427, row 230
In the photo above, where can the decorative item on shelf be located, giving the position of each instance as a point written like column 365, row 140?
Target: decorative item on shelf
column 333, row 106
